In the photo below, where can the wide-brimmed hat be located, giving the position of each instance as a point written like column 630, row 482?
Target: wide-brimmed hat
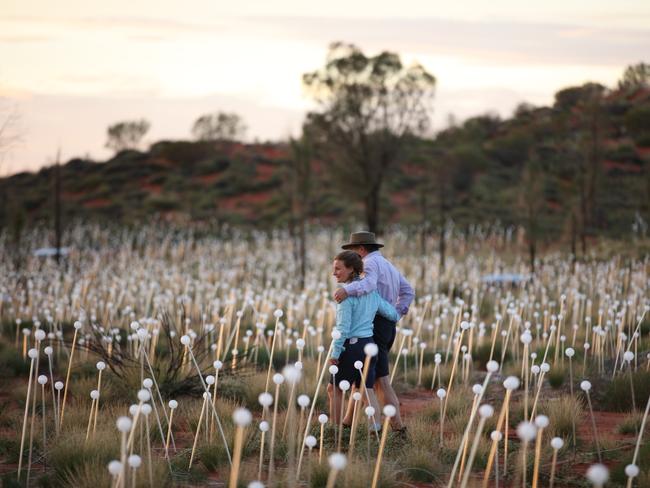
column 360, row 239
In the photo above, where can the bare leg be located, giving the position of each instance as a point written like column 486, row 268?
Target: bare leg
column 374, row 404
column 335, row 403
column 349, row 411
column 388, row 397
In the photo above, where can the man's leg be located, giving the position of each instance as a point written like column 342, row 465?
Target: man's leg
column 384, row 336
column 335, row 403
column 388, row 396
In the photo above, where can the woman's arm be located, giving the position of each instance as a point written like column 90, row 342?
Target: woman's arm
column 386, row 310
column 343, row 325
column 367, row 284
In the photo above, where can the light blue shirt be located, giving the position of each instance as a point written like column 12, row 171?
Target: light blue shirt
column 382, row 276
column 354, row 317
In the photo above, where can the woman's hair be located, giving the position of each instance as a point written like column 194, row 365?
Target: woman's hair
column 351, row 259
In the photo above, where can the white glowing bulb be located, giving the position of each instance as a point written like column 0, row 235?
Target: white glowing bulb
column 390, row 410
column 337, row 461
column 597, row 474
column 42, row 379
column 115, row 468
column 278, row 379
column 511, row 383
column 492, row 366
column 486, row 411
column 242, row 417
column 358, row 365
column 147, row 383
column 143, row 396
column 441, row 393
column 265, row 399
column 310, row 441
column 146, row 409
column 32, row 353
column 333, row 369
column 291, row 374
column 371, row 349
column 496, row 436
column 322, row 418
column 585, row 385
column 217, row 365
column 570, row 352
column 264, row 426
column 541, row 421
column 631, row 470
column 526, row 431
column 557, row 443
column 210, row 379
column 58, row 385
column 477, row 389
column 303, row 401
column 173, row 404
column 185, row 340
column 134, row 461
column 124, row 424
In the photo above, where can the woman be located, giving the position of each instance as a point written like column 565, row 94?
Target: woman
column 354, row 318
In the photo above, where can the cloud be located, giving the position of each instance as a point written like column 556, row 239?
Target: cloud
column 18, row 39
column 481, row 41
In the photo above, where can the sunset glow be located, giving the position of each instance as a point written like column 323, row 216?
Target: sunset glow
column 71, row 68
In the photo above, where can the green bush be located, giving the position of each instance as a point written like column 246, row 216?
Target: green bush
column 11, row 362
column 618, row 392
column 556, row 377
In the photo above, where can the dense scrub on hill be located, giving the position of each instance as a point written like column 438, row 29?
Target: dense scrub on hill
column 581, row 166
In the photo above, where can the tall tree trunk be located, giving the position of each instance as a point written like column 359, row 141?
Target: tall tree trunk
column 574, row 250
column 532, row 250
column 57, row 209
column 594, row 163
column 443, row 220
column 532, row 236
column 583, row 215
column 423, row 233
column 302, row 234
column 372, row 208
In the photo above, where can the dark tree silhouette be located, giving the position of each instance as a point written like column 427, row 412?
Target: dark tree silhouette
column 370, row 105
column 635, row 76
column 220, row 126
column 127, row 134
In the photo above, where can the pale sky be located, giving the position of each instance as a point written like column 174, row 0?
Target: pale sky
column 70, row 68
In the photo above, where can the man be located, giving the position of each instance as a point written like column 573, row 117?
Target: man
column 380, row 275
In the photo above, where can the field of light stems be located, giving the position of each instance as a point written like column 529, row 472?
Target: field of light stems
column 158, row 357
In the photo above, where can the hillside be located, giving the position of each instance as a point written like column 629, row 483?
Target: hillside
column 486, row 159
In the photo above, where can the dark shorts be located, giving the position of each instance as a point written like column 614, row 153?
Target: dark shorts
column 384, row 336
column 347, row 371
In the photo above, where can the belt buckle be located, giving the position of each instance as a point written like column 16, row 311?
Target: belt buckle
column 354, row 340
